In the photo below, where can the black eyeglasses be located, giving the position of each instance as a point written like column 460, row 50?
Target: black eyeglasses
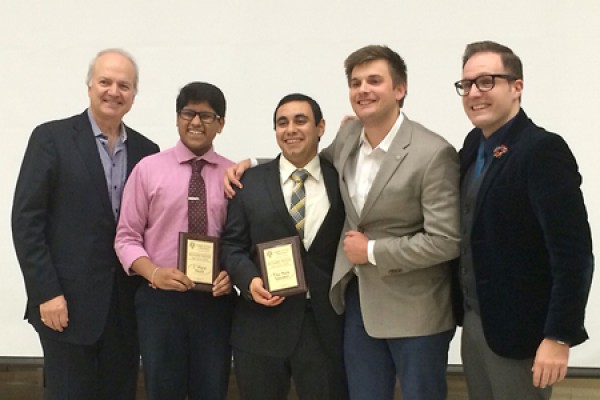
column 484, row 83
column 205, row 116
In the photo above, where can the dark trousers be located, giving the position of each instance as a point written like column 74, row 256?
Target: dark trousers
column 105, row 370
column 372, row 364
column 184, row 341
column 316, row 375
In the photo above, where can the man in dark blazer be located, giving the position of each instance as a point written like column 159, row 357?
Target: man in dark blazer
column 274, row 337
column 64, row 216
column 526, row 261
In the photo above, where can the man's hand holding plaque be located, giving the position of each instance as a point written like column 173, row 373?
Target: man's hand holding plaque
column 281, row 267
column 262, row 296
column 198, row 259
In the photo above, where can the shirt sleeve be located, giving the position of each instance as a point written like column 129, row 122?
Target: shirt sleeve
column 129, row 241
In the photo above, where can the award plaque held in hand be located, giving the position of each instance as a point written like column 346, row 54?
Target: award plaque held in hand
column 198, row 258
column 281, row 266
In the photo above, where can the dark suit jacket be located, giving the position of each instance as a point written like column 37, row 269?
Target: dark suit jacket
column 64, row 228
column 531, row 242
column 257, row 214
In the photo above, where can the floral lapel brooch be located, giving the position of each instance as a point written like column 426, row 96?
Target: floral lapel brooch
column 500, row 151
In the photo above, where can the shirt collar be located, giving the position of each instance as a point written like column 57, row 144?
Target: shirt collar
column 313, row 167
column 497, row 138
column 387, row 140
column 98, row 132
column 185, row 155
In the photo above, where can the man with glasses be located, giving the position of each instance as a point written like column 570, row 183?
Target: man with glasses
column 526, row 260
column 184, row 333
column 64, row 216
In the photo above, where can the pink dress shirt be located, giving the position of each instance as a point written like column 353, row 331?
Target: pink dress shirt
column 154, row 205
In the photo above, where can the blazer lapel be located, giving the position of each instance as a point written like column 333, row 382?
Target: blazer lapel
column 349, row 150
column 497, row 163
column 331, row 186
column 85, row 142
column 469, row 152
column 273, row 186
column 392, row 160
column 134, row 149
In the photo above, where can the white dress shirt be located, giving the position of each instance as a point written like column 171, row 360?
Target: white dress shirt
column 317, row 202
column 362, row 169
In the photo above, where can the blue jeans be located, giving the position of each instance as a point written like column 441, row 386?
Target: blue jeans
column 372, row 364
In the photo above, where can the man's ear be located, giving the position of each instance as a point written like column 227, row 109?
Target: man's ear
column 321, row 127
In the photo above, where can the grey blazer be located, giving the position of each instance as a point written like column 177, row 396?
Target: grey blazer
column 412, row 213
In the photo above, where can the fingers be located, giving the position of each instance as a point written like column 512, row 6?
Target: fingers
column 222, row 284
column 56, row 322
column 232, row 178
column 54, row 314
column 172, row 279
column 550, row 363
column 262, row 296
column 347, row 118
column 548, row 375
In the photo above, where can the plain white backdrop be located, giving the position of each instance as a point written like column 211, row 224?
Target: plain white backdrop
column 259, row 51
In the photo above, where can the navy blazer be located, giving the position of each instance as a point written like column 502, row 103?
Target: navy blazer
column 531, row 242
column 64, row 228
column 258, row 214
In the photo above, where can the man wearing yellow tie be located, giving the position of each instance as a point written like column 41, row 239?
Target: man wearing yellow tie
column 276, row 338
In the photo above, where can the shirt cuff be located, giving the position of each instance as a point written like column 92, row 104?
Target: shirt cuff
column 559, row 341
column 371, row 252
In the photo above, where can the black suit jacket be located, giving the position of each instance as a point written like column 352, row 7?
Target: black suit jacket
column 531, row 242
column 64, row 228
column 257, row 214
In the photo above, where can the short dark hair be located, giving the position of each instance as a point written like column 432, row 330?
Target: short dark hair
column 369, row 53
column 316, row 109
column 510, row 60
column 200, row 92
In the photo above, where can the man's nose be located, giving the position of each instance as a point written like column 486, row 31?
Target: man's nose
column 290, row 127
column 196, row 121
column 113, row 89
column 474, row 90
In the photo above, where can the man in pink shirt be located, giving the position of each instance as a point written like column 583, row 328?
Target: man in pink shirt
column 183, row 333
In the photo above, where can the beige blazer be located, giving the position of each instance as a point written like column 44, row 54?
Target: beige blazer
column 412, row 213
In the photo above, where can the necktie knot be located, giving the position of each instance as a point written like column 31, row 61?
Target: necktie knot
column 197, row 165
column 299, row 175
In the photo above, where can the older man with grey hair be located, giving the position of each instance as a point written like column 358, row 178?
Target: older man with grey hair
column 65, row 209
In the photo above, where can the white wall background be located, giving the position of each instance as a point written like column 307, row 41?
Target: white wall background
column 258, row 51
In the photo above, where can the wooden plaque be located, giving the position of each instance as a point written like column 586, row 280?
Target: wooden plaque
column 281, row 266
column 198, row 258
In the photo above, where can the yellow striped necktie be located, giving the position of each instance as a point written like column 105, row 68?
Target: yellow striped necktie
column 297, row 209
